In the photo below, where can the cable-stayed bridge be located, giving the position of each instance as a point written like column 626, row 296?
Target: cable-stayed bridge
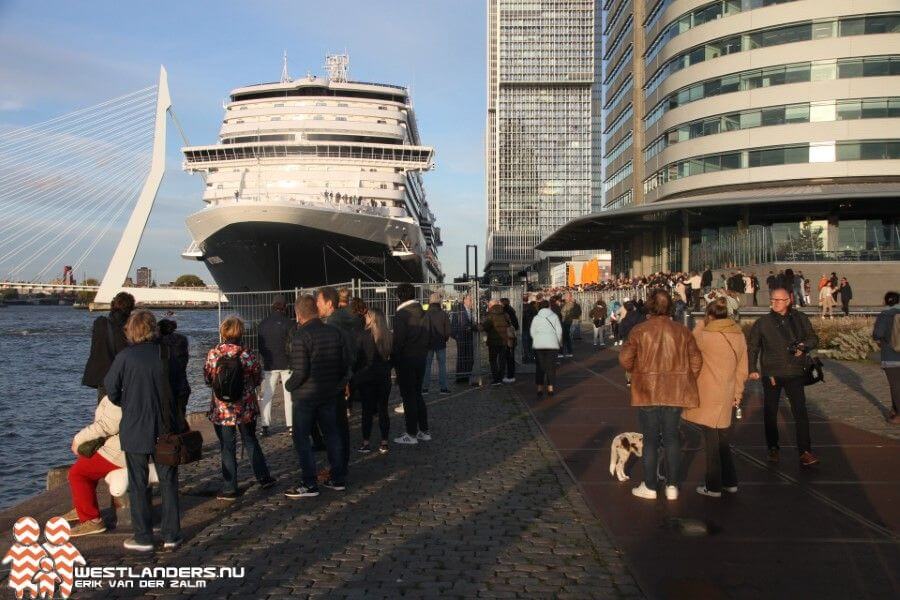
column 69, row 182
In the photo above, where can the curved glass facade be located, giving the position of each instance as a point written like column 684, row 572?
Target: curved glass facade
column 775, row 36
column 777, row 155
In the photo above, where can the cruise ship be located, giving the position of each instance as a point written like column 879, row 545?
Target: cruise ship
column 313, row 181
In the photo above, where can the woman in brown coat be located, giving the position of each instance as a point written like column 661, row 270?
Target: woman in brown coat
column 664, row 361
column 721, row 385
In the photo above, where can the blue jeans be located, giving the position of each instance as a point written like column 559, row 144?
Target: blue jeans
column 138, row 466
column 307, row 412
column 227, row 435
column 442, row 368
column 660, row 422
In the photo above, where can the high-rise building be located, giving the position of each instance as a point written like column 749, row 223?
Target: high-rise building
column 144, row 276
column 542, row 124
column 748, row 132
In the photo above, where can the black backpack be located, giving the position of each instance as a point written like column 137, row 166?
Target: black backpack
column 228, row 380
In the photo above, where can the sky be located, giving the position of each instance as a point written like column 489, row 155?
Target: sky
column 56, row 57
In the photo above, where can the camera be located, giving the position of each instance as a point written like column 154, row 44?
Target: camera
column 795, row 347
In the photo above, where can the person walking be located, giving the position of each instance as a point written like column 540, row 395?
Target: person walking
column 664, row 362
column 754, row 281
column 107, row 340
column 799, row 288
column 778, row 347
column 826, row 301
column 887, row 333
column 373, row 376
column 695, row 285
column 136, row 382
column 706, row 280
column 438, row 324
column 463, row 328
column 274, row 332
column 514, row 337
column 632, row 317
column 318, row 364
column 598, row 319
column 409, row 349
column 845, row 292
column 497, row 329
column 546, row 335
column 233, row 373
column 571, row 317
column 720, row 385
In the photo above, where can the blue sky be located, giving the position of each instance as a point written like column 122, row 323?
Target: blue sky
column 59, row 56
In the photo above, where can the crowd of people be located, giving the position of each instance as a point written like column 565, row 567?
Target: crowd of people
column 332, row 352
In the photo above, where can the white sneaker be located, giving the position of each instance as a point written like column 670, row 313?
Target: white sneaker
column 423, row 436
column 569, row 355
column 732, row 489
column 701, row 489
column 398, row 409
column 406, row 439
column 509, row 380
column 642, row 491
column 559, row 356
column 671, row 492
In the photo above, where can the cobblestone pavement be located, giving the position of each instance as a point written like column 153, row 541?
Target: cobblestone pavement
column 856, row 393
column 484, row 510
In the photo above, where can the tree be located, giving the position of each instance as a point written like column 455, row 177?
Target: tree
column 808, row 241
column 9, row 294
column 189, row 281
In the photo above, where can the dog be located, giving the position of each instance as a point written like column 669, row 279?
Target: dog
column 624, row 445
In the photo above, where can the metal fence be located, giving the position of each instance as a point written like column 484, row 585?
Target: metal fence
column 466, row 357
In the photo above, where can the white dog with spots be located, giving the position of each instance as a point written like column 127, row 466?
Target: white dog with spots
column 624, row 445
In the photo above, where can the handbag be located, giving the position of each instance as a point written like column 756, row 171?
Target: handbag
column 813, row 369
column 89, row 448
column 174, row 449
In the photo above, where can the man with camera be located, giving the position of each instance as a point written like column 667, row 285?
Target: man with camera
column 778, row 348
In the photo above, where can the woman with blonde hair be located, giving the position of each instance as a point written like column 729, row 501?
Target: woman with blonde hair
column 826, row 300
column 373, row 376
column 721, row 386
column 136, row 383
column 234, row 373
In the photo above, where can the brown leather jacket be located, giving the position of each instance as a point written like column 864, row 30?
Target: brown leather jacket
column 664, row 361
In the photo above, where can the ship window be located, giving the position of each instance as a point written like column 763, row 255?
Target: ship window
column 340, row 118
column 344, row 104
column 279, row 105
column 318, row 118
column 276, row 118
column 320, row 104
column 243, row 108
column 382, row 108
column 382, row 121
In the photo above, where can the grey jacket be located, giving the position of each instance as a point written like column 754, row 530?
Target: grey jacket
column 769, row 340
column 884, row 323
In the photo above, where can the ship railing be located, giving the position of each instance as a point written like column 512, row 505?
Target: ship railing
column 380, row 211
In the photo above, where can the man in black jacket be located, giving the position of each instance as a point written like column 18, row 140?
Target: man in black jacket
column 107, row 340
column 438, row 333
column 511, row 354
column 348, row 325
column 463, row 328
column 318, row 372
column 529, row 311
column 409, row 350
column 779, row 343
column 274, row 333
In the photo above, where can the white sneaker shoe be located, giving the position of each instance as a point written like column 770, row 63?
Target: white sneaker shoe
column 732, row 489
column 642, row 491
column 671, row 492
column 701, row 489
column 398, row 409
column 423, row 436
column 406, row 439
column 508, row 380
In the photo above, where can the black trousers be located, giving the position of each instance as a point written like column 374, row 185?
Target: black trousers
column 138, row 466
column 893, row 377
column 720, row 469
column 374, row 396
column 410, row 375
column 846, row 307
column 465, row 358
column 545, row 371
column 343, row 427
column 793, row 387
column 567, row 338
column 511, row 362
column 497, row 358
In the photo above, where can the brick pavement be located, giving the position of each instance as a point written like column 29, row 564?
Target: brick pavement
column 856, row 393
column 484, row 510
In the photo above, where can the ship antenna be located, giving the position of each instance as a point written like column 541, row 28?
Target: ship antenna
column 338, row 67
column 285, row 78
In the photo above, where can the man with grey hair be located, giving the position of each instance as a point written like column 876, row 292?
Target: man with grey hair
column 438, row 324
column 274, row 333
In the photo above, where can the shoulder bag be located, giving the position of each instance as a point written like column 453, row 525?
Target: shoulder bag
column 174, row 449
column 813, row 369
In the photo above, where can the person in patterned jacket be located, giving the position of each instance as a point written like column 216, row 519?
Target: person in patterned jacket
column 232, row 417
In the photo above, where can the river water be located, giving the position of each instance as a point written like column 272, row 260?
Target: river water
column 43, row 350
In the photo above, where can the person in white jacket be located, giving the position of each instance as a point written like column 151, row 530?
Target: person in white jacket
column 106, row 462
column 546, row 338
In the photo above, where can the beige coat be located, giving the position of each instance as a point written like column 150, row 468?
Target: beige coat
column 106, row 424
column 723, row 375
